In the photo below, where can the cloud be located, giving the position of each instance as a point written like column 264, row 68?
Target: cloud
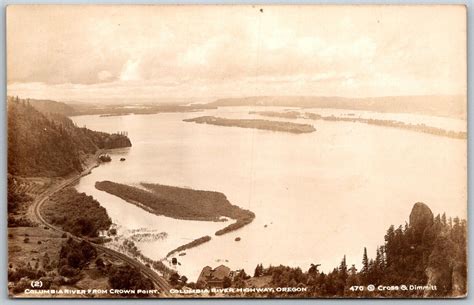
column 130, row 71
column 232, row 50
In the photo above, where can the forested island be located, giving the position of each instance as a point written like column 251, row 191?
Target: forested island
column 254, row 123
column 181, row 203
column 379, row 122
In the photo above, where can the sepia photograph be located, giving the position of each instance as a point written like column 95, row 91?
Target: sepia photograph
column 236, row 151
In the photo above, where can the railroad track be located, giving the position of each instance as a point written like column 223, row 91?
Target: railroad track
column 159, row 281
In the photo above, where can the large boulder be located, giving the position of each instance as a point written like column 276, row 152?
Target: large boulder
column 421, row 218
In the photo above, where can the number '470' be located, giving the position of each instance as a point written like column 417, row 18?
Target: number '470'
column 356, row 288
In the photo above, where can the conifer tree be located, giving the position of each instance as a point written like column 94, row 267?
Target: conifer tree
column 343, row 269
column 365, row 261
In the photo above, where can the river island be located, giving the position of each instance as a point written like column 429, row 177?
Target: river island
column 181, row 203
column 378, row 122
column 254, row 123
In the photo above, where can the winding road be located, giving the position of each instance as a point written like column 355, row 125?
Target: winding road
column 159, row 281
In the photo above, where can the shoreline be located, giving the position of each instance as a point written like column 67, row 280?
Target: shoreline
column 35, row 209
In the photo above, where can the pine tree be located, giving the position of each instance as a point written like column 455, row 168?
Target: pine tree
column 343, row 269
column 365, row 264
column 383, row 258
column 443, row 219
column 258, row 270
column 379, row 263
column 365, row 261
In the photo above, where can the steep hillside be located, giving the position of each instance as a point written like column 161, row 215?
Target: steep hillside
column 50, row 144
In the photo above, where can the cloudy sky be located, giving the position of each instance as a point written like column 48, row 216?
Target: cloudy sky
column 90, row 52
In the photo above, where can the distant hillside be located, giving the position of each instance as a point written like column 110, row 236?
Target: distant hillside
column 447, row 105
column 49, row 144
column 76, row 108
column 49, row 106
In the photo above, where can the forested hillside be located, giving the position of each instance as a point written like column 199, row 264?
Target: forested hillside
column 425, row 258
column 49, row 106
column 49, row 144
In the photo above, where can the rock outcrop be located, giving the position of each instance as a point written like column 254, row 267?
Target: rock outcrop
column 441, row 251
column 421, row 218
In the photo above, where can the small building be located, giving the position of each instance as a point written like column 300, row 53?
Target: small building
column 215, row 277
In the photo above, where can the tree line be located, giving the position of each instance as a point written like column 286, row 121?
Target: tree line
column 428, row 251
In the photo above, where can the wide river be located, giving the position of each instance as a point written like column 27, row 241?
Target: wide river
column 316, row 196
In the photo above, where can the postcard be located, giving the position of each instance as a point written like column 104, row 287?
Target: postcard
column 237, row 151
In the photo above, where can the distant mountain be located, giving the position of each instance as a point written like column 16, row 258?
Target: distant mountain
column 442, row 105
column 48, row 143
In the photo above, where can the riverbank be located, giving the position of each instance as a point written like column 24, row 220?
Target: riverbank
column 254, row 123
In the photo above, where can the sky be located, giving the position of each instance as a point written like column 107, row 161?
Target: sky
column 156, row 52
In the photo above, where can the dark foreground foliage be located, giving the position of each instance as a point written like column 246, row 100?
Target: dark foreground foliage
column 15, row 197
column 127, row 277
column 74, row 256
column 77, row 213
column 428, row 251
